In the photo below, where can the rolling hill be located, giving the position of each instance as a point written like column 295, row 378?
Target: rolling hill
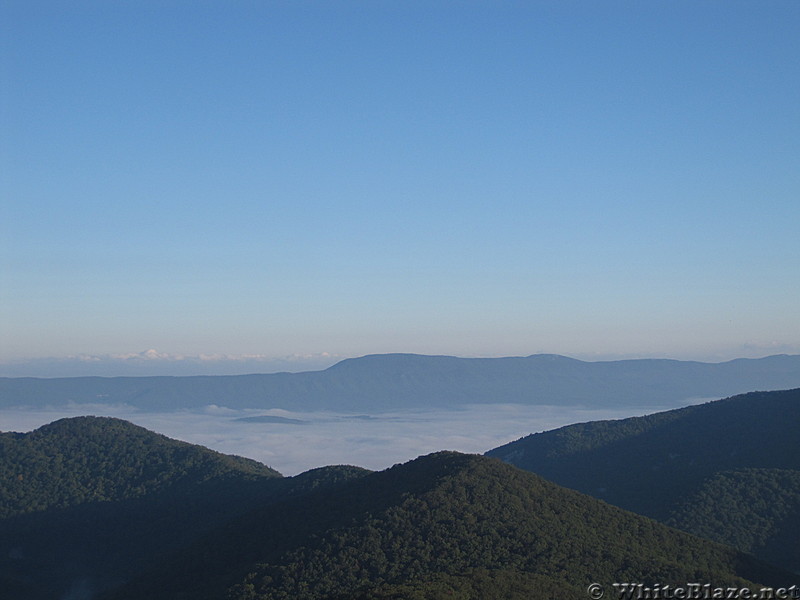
column 97, row 459
column 87, row 502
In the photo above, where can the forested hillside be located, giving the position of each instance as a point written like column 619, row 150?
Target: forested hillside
column 444, row 525
column 756, row 510
column 95, row 459
column 727, row 470
column 98, row 508
column 88, row 502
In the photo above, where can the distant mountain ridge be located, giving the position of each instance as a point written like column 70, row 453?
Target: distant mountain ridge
column 390, row 381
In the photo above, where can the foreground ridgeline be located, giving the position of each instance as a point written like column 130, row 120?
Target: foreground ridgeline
column 727, row 470
column 100, row 459
column 392, row 381
column 440, row 526
column 100, row 508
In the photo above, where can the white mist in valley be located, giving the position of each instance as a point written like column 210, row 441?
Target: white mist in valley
column 293, row 442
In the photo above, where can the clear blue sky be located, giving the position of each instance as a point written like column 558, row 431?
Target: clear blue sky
column 471, row 178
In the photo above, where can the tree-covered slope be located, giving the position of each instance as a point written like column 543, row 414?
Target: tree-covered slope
column 745, row 448
column 440, row 525
column 89, row 502
column 756, row 510
column 91, row 459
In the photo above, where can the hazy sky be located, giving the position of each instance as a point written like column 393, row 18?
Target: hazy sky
column 474, row 178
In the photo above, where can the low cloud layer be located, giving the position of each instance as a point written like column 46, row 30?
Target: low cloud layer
column 293, row 442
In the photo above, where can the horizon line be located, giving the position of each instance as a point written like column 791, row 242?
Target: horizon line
column 142, row 361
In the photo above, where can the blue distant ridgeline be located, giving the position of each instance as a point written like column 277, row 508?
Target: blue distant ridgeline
column 396, row 381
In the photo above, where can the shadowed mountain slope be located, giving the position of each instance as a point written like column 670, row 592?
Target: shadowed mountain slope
column 444, row 525
column 728, row 470
column 88, row 502
column 756, row 510
column 388, row 381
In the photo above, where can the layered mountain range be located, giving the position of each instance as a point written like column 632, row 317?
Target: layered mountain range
column 392, row 381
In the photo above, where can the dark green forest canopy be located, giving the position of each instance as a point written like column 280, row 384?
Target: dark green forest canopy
column 103, row 508
column 727, row 470
column 442, row 524
column 91, row 459
column 755, row 510
column 89, row 502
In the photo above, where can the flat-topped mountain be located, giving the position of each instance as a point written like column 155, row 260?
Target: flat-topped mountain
column 728, row 470
column 391, row 381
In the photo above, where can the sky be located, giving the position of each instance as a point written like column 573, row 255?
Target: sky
column 276, row 184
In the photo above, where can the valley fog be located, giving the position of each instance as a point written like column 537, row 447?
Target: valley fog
column 293, row 442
